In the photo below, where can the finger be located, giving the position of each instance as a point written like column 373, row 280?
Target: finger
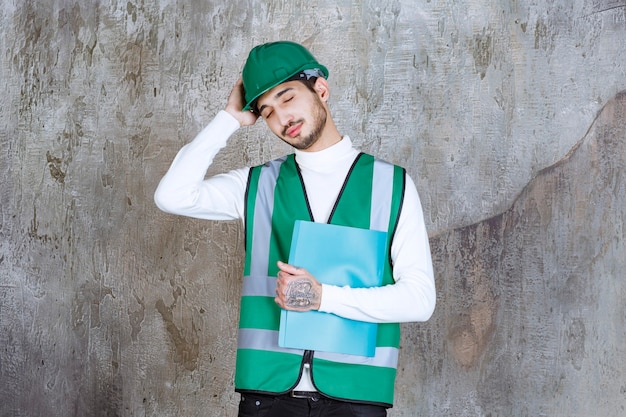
column 290, row 269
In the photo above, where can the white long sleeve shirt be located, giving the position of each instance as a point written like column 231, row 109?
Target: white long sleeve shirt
column 185, row 191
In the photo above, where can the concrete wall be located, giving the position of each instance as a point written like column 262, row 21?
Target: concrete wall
column 110, row 307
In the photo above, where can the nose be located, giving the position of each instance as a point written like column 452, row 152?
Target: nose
column 284, row 117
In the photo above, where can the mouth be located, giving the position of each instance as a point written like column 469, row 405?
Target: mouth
column 293, row 130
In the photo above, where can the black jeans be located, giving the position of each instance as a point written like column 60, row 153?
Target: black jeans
column 255, row 405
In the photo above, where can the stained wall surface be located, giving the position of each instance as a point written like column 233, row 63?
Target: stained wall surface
column 508, row 115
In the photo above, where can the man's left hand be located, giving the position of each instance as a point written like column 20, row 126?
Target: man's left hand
column 297, row 289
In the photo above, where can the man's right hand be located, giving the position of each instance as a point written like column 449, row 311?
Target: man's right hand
column 236, row 102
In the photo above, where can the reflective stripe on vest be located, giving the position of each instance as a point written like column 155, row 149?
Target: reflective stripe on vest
column 277, row 369
column 266, row 340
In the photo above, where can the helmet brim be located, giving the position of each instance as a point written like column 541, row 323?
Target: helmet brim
column 250, row 104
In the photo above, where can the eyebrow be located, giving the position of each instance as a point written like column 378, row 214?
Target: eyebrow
column 277, row 95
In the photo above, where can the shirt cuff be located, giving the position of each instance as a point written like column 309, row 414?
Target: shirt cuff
column 330, row 293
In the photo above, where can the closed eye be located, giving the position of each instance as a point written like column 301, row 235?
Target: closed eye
column 281, row 93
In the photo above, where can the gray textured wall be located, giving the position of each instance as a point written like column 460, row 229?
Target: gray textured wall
column 110, row 307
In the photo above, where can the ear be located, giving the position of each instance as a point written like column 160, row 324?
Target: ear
column 321, row 88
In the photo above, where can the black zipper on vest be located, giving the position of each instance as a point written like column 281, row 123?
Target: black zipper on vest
column 306, row 196
column 307, row 359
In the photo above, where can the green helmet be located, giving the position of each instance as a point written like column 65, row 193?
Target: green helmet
column 273, row 63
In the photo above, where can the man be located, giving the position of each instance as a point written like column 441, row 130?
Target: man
column 326, row 180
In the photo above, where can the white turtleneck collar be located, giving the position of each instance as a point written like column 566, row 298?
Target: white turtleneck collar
column 327, row 158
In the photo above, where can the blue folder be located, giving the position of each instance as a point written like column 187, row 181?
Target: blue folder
column 341, row 256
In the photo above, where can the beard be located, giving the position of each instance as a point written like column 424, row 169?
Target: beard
column 318, row 121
